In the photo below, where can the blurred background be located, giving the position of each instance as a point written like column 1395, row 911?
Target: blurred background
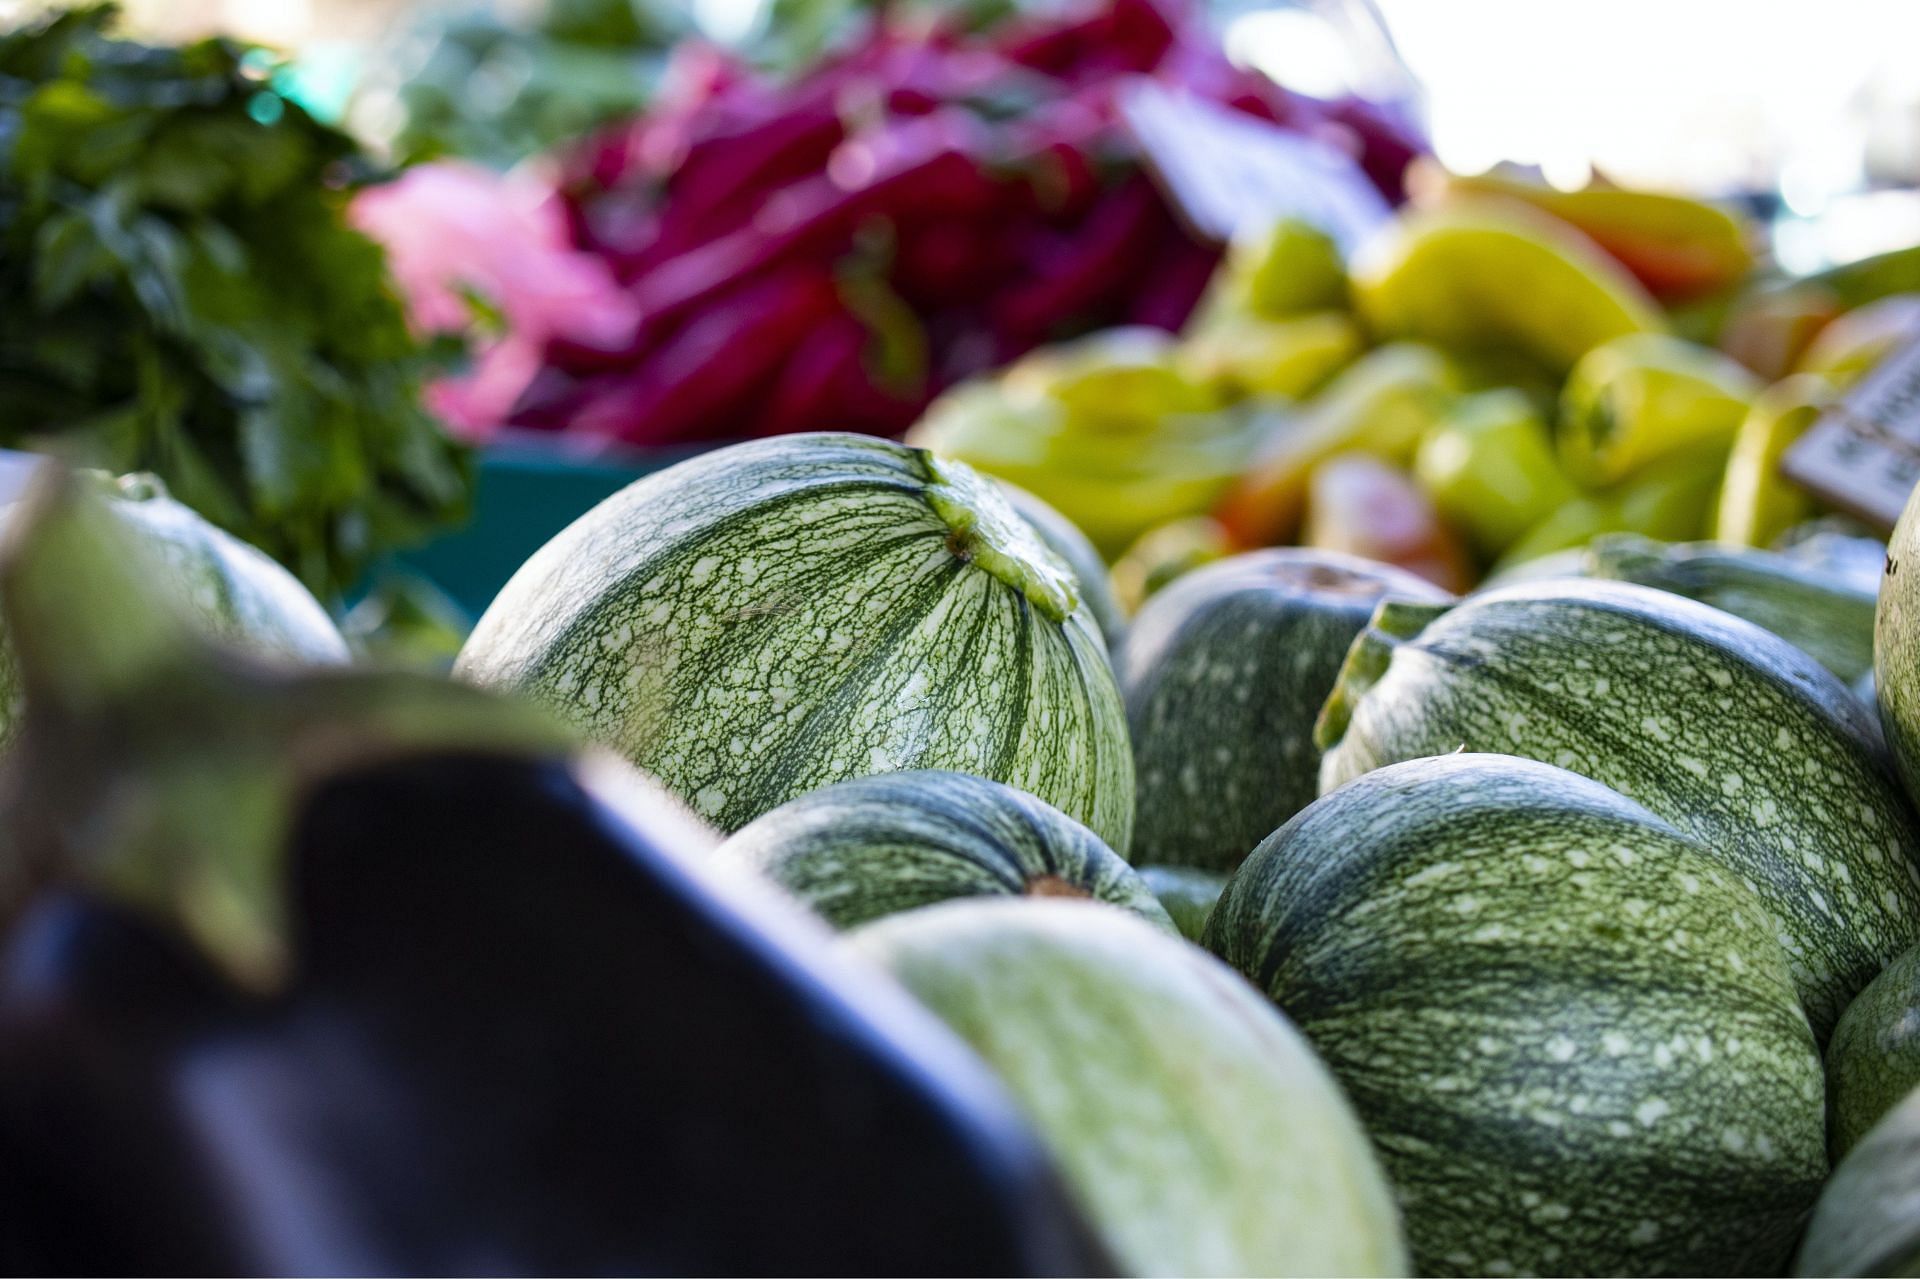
column 1817, row 103
column 614, row 232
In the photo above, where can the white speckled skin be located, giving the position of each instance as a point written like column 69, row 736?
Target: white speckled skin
column 1192, row 1121
column 1223, row 673
column 773, row 617
column 1569, row 1028
column 1736, row 737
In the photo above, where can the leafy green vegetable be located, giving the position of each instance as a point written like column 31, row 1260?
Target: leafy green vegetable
column 497, row 90
column 183, row 297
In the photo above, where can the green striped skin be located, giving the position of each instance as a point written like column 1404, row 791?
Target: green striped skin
column 1187, row 893
column 874, row 846
column 1896, row 645
column 1874, row 1058
column 1568, row 1028
column 1733, row 735
column 770, row 618
column 1868, row 1219
column 233, row 591
column 1223, row 673
column 1819, row 612
column 1193, row 1123
column 1065, row 539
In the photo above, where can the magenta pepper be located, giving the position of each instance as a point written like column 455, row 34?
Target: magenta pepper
column 1076, row 271
column 700, row 383
column 1174, row 280
column 801, row 397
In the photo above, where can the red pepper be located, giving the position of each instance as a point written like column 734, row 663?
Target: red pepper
column 802, row 395
column 699, row 384
column 1389, row 142
column 1014, row 210
column 723, row 180
column 1076, row 271
column 1174, row 281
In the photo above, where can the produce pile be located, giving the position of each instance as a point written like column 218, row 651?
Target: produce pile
column 806, row 846
column 1501, row 372
column 1380, row 775
column 832, row 248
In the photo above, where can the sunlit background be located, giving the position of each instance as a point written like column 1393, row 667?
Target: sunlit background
column 1817, row 103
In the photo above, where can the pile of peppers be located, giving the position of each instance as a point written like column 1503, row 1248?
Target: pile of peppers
column 831, row 252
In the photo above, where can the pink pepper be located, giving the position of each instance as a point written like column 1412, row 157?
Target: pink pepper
column 454, row 233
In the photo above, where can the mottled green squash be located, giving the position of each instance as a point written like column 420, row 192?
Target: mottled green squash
column 1868, row 1219
column 773, row 617
column 874, row 846
column 1738, row 738
column 1820, row 612
column 1223, row 673
column 230, row 590
column 1066, row 540
column 1873, row 1060
column 1193, row 1123
column 1568, row 1028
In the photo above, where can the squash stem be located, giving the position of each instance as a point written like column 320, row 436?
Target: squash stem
column 985, row 530
column 1394, row 621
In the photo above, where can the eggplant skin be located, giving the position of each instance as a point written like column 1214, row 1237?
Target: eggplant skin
column 522, row 1035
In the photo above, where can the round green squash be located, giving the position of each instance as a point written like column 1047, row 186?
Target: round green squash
column 233, row 591
column 1223, row 673
column 1188, row 894
column 1896, row 645
column 874, row 846
column 1808, row 605
column 1193, row 1123
column 1738, row 738
column 1868, row 1219
column 1568, row 1028
column 1873, row 1060
column 770, row 618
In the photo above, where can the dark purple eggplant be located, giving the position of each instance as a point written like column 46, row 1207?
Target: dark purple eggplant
column 438, row 996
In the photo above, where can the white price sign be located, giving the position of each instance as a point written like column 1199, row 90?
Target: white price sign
column 1863, row 455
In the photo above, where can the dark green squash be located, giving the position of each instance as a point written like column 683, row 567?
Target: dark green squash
column 878, row 845
column 1736, row 737
column 1188, row 893
column 1223, row 673
column 1873, row 1060
column 1569, row 1029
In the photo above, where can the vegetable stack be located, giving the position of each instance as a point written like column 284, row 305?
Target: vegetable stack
column 829, row 253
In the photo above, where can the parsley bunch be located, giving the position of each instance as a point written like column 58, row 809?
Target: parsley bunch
column 180, row 294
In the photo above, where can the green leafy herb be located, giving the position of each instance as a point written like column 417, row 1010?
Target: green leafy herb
column 497, row 91
column 183, row 297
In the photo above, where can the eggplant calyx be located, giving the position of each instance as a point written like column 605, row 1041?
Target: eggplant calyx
column 164, row 771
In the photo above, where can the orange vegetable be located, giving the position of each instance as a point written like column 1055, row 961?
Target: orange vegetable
column 1679, row 248
column 1361, row 505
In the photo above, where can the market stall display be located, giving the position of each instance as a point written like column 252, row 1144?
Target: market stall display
column 1005, row 734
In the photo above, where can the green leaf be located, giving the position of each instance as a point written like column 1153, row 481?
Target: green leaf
column 184, row 296
column 67, row 257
